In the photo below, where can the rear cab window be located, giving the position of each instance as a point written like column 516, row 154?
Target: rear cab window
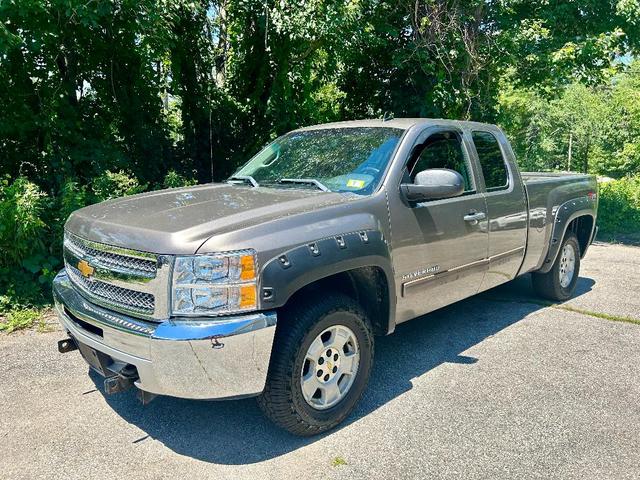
column 492, row 162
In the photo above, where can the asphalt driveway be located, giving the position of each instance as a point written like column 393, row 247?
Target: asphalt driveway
column 493, row 387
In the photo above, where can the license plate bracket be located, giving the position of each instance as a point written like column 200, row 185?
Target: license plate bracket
column 98, row 361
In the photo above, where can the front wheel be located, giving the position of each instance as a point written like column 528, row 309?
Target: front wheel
column 559, row 283
column 320, row 365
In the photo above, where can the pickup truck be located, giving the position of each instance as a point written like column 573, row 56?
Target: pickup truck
column 276, row 282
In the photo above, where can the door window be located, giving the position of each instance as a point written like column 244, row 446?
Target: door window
column 492, row 162
column 442, row 150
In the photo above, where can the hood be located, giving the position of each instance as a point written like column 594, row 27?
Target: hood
column 179, row 221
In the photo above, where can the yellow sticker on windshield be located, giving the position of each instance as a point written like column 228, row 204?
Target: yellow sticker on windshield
column 355, row 183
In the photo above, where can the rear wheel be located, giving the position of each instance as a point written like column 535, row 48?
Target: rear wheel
column 320, row 365
column 559, row 283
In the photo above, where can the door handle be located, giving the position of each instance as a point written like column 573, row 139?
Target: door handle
column 474, row 218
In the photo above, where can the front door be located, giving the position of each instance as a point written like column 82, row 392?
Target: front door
column 441, row 257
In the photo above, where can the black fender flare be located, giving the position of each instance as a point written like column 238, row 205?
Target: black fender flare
column 291, row 270
column 565, row 214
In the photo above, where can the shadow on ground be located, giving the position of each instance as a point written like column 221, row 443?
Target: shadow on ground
column 235, row 432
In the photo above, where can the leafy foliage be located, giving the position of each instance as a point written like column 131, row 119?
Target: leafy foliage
column 21, row 225
column 174, row 180
column 585, row 129
column 116, row 184
column 22, row 232
column 19, row 319
column 619, row 207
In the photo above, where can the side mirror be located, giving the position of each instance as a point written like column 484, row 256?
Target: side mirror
column 432, row 184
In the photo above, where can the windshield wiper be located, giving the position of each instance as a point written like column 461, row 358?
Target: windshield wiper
column 244, row 178
column 306, row 181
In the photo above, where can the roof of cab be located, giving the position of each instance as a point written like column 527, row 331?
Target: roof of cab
column 401, row 123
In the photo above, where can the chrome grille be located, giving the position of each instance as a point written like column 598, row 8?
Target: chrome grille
column 124, row 280
column 133, row 262
column 113, row 295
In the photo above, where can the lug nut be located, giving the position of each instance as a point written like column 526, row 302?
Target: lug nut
column 326, row 377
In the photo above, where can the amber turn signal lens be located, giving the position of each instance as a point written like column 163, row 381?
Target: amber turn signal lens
column 247, row 296
column 247, row 267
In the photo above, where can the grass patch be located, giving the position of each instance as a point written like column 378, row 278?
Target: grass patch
column 338, row 462
column 604, row 316
column 569, row 308
column 21, row 319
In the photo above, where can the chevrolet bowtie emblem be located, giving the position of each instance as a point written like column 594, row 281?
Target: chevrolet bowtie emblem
column 85, row 269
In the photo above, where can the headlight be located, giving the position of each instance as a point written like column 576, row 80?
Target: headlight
column 214, row 284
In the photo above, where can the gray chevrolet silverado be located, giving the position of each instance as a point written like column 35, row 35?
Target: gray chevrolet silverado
column 275, row 283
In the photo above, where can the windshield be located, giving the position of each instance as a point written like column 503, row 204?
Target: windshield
column 340, row 159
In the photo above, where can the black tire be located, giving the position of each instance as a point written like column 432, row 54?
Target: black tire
column 282, row 400
column 547, row 285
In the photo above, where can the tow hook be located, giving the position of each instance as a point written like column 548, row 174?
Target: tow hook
column 67, row 345
column 123, row 379
column 117, row 384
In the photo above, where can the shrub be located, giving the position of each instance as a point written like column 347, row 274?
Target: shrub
column 21, row 226
column 26, row 264
column 173, row 180
column 619, row 206
column 72, row 197
column 116, row 184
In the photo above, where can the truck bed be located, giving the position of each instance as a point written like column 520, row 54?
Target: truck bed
column 546, row 193
column 545, row 177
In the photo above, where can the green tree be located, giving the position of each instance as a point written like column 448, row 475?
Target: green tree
column 590, row 129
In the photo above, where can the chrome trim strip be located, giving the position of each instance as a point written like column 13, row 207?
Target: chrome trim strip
column 127, row 252
column 454, row 270
column 97, row 316
column 442, row 274
column 216, row 327
column 508, row 253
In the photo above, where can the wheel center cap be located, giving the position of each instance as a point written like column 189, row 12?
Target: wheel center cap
column 328, row 365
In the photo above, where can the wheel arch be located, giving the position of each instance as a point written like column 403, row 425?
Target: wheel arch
column 356, row 264
column 582, row 226
column 577, row 216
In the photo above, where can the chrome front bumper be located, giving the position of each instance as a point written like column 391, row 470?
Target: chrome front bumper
column 206, row 358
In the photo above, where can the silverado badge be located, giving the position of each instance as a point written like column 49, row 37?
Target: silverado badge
column 419, row 273
column 85, row 269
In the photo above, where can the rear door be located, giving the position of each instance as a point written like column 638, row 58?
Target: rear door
column 506, row 205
